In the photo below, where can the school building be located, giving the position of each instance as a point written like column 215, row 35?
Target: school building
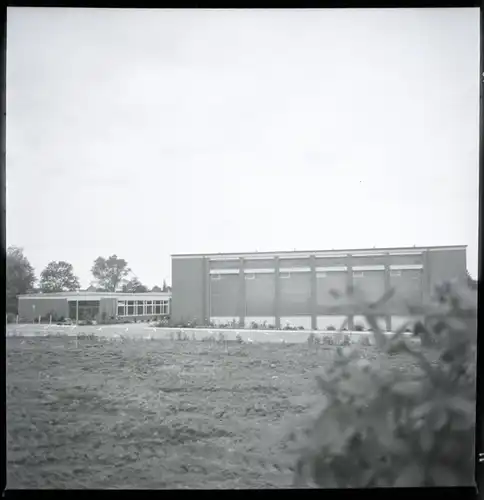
column 295, row 287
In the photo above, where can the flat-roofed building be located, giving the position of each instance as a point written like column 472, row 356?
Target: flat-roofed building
column 99, row 306
column 295, row 287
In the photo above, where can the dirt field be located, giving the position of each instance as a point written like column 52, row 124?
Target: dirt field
column 154, row 414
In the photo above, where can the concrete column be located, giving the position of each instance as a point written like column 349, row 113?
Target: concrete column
column 388, row 318
column 242, row 308
column 277, row 293
column 349, row 285
column 314, row 292
column 426, row 278
column 205, row 291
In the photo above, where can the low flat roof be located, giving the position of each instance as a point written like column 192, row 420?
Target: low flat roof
column 82, row 294
column 297, row 253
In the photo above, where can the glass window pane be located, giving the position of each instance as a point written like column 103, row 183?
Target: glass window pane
column 157, row 309
column 130, row 302
column 149, row 309
column 140, row 308
column 130, row 310
column 120, row 310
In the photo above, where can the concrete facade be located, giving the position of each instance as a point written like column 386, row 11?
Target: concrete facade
column 297, row 286
column 102, row 306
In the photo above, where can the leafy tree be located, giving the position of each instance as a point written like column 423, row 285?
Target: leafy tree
column 58, row 276
column 165, row 286
column 110, row 272
column 156, row 288
column 134, row 285
column 20, row 277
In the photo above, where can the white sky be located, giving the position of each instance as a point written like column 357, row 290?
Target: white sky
column 146, row 133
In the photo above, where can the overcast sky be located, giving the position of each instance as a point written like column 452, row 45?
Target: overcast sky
column 151, row 132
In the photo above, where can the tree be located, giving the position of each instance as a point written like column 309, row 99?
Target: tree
column 110, row 272
column 58, row 276
column 156, row 288
column 134, row 285
column 20, row 277
column 165, row 287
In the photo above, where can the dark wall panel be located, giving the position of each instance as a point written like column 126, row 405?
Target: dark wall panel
column 42, row 308
column 295, row 294
column 187, row 277
column 260, row 295
column 224, row 295
column 334, row 280
column 372, row 284
column 408, row 289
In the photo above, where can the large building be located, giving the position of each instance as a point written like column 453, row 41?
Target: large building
column 294, row 287
column 99, row 306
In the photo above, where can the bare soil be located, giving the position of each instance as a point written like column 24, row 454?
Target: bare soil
column 155, row 414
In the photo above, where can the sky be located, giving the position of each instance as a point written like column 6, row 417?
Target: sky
column 145, row 133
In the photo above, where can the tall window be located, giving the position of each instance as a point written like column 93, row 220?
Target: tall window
column 139, row 307
column 130, row 308
column 149, row 307
column 121, row 308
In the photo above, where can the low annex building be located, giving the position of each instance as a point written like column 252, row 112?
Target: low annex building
column 295, row 287
column 99, row 306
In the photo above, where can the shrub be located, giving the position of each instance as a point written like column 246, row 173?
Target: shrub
column 328, row 340
column 254, row 325
column 359, row 328
column 395, row 428
column 331, row 328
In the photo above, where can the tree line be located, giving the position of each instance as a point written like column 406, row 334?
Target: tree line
column 110, row 275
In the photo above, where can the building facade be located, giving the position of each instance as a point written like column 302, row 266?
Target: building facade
column 295, row 287
column 99, row 306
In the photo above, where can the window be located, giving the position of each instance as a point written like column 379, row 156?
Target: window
column 215, row 276
column 157, row 306
column 149, row 307
column 139, row 307
column 395, row 273
column 121, row 310
column 250, row 276
column 321, row 275
column 358, row 274
column 130, row 308
column 164, row 307
column 284, row 275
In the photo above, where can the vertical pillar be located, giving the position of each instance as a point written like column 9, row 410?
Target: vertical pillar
column 77, row 311
column 314, row 292
column 277, row 293
column 426, row 278
column 206, row 313
column 242, row 303
column 387, row 307
column 349, row 286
